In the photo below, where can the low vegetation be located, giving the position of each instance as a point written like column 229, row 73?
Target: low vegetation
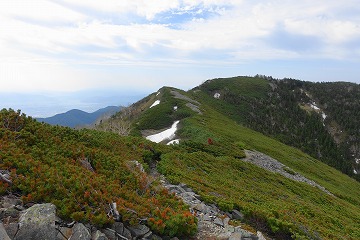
column 272, row 203
column 320, row 119
column 51, row 164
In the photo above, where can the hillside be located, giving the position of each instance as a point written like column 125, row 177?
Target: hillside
column 320, row 119
column 76, row 117
column 84, row 173
column 215, row 167
column 236, row 182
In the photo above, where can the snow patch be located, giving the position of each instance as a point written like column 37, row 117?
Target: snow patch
column 357, row 160
column 323, row 115
column 157, row 93
column 175, row 141
column 313, row 105
column 175, row 108
column 355, row 171
column 157, row 102
column 217, row 95
column 167, row 134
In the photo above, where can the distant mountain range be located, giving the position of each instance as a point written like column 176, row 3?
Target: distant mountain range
column 76, row 117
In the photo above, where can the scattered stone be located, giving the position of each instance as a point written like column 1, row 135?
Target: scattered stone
column 147, row 236
column 201, row 207
column 178, row 95
column 235, row 236
column 64, row 233
column 237, row 215
column 156, row 237
column 99, row 236
column 9, row 212
column 219, row 222
column 270, row 164
column 206, row 217
column 8, row 202
column 139, row 231
column 260, row 236
column 19, row 207
column 194, row 108
column 121, row 230
column 226, row 221
column 86, row 164
column 117, row 231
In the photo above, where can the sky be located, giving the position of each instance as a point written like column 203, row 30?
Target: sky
column 56, row 55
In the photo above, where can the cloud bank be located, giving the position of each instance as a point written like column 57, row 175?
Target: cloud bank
column 68, row 45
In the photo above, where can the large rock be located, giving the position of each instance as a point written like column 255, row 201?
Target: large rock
column 37, row 222
column 80, row 232
column 3, row 234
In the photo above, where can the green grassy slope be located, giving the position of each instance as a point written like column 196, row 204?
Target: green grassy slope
column 271, row 202
column 282, row 109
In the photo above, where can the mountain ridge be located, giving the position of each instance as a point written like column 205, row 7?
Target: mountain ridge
column 76, row 117
column 297, row 113
column 216, row 163
column 198, row 130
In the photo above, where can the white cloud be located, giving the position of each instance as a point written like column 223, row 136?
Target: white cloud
column 41, row 39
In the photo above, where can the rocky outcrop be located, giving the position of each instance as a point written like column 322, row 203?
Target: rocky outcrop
column 40, row 222
column 212, row 222
column 268, row 163
column 192, row 104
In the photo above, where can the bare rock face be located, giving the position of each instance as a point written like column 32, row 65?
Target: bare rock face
column 37, row 222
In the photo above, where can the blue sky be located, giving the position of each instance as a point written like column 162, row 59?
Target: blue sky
column 61, row 54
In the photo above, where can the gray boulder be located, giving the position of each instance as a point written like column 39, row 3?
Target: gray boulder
column 3, row 234
column 37, row 222
column 139, row 231
column 117, row 231
column 80, row 232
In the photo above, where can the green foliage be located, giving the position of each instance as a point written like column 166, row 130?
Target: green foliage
column 281, row 109
column 270, row 202
column 163, row 115
column 47, row 165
